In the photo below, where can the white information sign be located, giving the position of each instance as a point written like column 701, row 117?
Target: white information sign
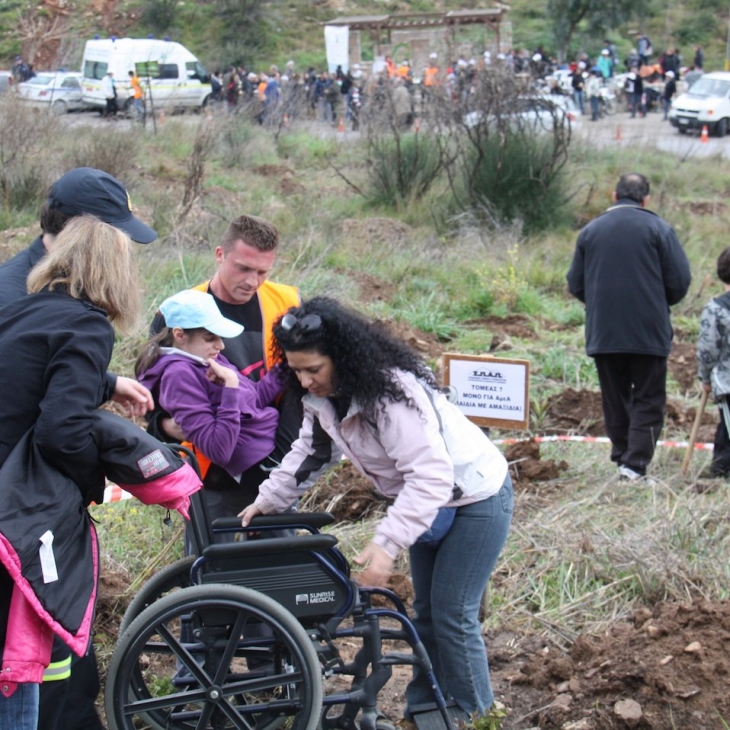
column 337, row 46
column 490, row 391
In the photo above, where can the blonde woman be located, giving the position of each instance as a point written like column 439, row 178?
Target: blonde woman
column 55, row 347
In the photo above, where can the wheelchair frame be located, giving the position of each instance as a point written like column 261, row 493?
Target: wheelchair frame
column 192, row 652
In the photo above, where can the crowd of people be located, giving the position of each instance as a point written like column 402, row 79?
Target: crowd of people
column 332, row 97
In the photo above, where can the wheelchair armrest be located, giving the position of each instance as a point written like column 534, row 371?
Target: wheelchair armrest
column 274, row 545
column 315, row 520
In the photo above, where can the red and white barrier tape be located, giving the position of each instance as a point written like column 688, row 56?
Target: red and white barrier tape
column 600, row 440
column 113, row 493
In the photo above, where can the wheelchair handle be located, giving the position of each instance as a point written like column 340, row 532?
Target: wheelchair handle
column 314, row 520
column 268, row 546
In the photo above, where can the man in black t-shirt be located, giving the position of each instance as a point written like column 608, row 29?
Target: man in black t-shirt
column 242, row 292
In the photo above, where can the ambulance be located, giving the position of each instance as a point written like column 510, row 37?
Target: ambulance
column 170, row 75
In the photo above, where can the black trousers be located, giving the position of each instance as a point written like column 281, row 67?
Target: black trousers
column 634, row 396
column 68, row 704
column 721, row 454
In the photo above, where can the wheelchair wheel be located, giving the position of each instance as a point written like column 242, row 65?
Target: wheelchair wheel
column 214, row 656
column 170, row 578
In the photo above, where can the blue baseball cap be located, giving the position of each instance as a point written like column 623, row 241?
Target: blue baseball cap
column 192, row 308
column 95, row 192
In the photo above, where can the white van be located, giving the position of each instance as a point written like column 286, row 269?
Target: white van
column 706, row 103
column 170, row 74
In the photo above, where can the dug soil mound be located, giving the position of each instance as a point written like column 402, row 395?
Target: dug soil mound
column 671, row 663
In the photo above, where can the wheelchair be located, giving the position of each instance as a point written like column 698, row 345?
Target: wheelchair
column 241, row 634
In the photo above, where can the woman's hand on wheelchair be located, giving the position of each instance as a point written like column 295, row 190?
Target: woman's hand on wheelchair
column 377, row 566
column 248, row 514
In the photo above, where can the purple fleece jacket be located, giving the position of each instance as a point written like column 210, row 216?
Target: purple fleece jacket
column 233, row 427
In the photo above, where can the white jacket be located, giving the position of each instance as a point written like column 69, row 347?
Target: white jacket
column 424, row 457
column 107, row 87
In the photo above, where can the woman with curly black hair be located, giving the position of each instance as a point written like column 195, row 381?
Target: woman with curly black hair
column 365, row 394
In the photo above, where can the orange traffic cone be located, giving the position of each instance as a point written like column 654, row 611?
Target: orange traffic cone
column 340, row 125
column 618, row 132
column 704, row 137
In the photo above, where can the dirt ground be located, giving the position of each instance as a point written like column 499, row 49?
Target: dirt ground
column 669, row 668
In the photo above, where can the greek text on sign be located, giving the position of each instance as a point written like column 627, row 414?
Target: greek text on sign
column 490, row 391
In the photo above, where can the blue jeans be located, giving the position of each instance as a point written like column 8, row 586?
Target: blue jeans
column 20, row 710
column 595, row 108
column 579, row 99
column 449, row 581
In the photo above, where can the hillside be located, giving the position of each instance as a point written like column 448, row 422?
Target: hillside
column 51, row 34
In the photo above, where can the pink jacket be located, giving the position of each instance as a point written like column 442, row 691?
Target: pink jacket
column 425, row 457
column 55, row 589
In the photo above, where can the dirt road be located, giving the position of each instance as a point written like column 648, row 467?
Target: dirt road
column 622, row 131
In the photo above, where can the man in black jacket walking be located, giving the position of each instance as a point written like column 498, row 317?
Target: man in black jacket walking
column 628, row 269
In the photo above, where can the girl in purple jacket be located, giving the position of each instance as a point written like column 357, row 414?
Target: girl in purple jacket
column 229, row 418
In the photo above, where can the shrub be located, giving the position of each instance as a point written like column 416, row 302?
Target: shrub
column 24, row 141
column 401, row 168
column 516, row 177
column 506, row 151
column 114, row 153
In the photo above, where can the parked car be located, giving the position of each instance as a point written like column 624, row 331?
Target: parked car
column 535, row 114
column 6, row 81
column 706, row 104
column 562, row 78
column 60, row 90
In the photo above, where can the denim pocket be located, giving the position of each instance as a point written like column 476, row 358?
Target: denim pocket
column 507, row 496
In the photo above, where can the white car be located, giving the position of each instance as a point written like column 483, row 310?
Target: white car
column 563, row 79
column 60, row 90
column 706, row 104
column 536, row 114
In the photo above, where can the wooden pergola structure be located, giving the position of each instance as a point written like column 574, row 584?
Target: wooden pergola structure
column 403, row 24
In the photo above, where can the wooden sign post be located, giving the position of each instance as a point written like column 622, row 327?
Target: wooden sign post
column 490, row 391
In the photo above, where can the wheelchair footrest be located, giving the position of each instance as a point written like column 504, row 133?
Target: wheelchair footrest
column 429, row 717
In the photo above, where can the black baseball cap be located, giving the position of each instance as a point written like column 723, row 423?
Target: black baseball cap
column 86, row 190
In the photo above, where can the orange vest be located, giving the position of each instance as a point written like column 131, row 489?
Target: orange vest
column 429, row 76
column 274, row 300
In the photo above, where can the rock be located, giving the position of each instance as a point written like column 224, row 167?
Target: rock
column 690, row 691
column 629, row 711
column 563, row 687
column 666, row 660
column 694, row 648
column 562, row 703
column 584, row 724
column 653, row 632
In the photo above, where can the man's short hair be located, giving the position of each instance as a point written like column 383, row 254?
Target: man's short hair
column 255, row 232
column 52, row 220
column 632, row 186
column 723, row 266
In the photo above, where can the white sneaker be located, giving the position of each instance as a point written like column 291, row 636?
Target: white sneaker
column 627, row 474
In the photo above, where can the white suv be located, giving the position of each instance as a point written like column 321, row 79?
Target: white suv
column 707, row 103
